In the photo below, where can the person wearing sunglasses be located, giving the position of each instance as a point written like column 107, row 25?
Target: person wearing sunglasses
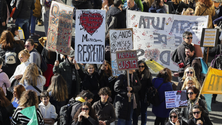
column 190, row 81
column 85, row 115
column 193, row 99
column 199, row 117
column 175, row 118
column 145, row 78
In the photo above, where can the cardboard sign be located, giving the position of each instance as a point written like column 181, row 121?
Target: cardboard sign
column 176, row 99
column 60, row 28
column 90, row 36
column 158, row 35
column 127, row 60
column 120, row 39
column 209, row 37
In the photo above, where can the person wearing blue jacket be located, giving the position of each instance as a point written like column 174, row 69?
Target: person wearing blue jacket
column 160, row 111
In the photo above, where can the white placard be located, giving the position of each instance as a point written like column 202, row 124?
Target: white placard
column 176, row 99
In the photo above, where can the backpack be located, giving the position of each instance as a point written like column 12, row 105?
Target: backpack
column 217, row 61
column 152, row 95
column 10, row 57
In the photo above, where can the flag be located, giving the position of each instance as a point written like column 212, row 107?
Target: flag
column 213, row 82
column 30, row 112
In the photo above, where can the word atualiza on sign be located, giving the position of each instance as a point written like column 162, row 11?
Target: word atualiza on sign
column 127, row 60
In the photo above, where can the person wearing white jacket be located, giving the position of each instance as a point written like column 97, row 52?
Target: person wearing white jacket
column 47, row 109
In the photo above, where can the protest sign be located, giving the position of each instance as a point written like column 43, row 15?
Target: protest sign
column 176, row 99
column 209, row 37
column 120, row 39
column 60, row 28
column 90, row 36
column 127, row 60
column 158, row 35
column 212, row 83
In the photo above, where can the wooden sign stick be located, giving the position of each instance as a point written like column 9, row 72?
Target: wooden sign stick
column 207, row 56
column 128, row 81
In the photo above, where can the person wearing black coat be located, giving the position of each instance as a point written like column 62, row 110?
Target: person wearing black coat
column 123, row 108
column 3, row 15
column 145, row 78
column 174, row 118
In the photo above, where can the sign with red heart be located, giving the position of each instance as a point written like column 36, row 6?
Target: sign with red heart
column 91, row 21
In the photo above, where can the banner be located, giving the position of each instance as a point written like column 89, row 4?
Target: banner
column 90, row 36
column 212, row 83
column 127, row 60
column 120, row 39
column 60, row 28
column 176, row 99
column 158, row 35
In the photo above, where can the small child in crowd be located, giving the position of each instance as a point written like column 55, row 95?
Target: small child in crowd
column 47, row 109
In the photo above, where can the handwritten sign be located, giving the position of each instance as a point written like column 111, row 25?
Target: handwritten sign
column 90, row 36
column 120, row 39
column 60, row 28
column 158, row 35
column 127, row 60
column 176, row 99
column 209, row 37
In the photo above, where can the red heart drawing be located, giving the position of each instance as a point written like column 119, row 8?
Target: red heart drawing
column 91, row 21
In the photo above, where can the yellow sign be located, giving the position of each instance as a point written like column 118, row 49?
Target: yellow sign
column 213, row 82
column 156, row 67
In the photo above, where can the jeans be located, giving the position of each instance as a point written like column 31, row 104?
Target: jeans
column 124, row 121
column 32, row 22
column 24, row 24
column 143, row 112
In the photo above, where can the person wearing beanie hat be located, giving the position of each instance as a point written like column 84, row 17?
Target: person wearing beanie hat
column 175, row 119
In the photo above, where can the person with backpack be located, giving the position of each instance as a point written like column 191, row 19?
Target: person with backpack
column 162, row 83
column 9, row 48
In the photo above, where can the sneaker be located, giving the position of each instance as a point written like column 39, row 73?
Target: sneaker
column 40, row 23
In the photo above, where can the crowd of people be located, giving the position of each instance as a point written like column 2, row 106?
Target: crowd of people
column 87, row 94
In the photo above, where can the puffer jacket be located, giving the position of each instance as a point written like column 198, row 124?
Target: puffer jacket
column 202, row 10
column 37, row 11
column 23, row 9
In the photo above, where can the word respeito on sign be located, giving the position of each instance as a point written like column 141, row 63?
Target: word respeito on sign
column 127, row 60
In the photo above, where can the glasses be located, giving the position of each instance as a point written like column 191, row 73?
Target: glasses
column 141, row 66
column 189, row 38
column 85, row 108
column 189, row 72
column 196, row 112
column 27, row 46
column 191, row 93
column 173, row 116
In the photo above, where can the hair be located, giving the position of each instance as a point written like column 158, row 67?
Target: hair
column 24, row 52
column 1, row 61
column 176, row 111
column 44, row 94
column 7, row 40
column 19, row 90
column 149, row 2
column 165, row 74
column 91, row 111
column 29, row 98
column 58, row 87
column 110, row 2
column 146, row 71
column 86, row 94
column 156, row 3
column 4, row 102
column 187, row 12
column 87, row 65
column 194, row 89
column 195, row 82
column 186, row 33
column 31, row 75
column 198, row 107
column 13, row 29
column 109, row 71
column 208, row 3
column 105, row 91
column 117, row 3
column 190, row 47
column 187, row 69
column 32, row 42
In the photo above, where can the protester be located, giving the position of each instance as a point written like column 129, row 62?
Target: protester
column 15, row 32
column 199, row 118
column 145, row 78
column 35, row 57
column 28, row 99
column 66, row 68
column 58, row 92
column 17, row 93
column 190, row 81
column 6, row 108
column 103, row 108
column 4, row 81
column 157, row 7
column 205, row 7
column 7, row 43
column 32, row 80
column 163, row 81
column 137, row 2
column 3, row 15
column 131, row 5
column 106, row 4
column 125, row 109
column 175, row 119
column 193, row 94
column 47, row 110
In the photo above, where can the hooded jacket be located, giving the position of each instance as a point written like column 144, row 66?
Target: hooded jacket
column 48, row 111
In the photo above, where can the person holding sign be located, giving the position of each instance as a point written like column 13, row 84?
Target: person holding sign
column 163, row 82
column 123, row 107
column 175, row 119
column 193, row 93
column 199, row 118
